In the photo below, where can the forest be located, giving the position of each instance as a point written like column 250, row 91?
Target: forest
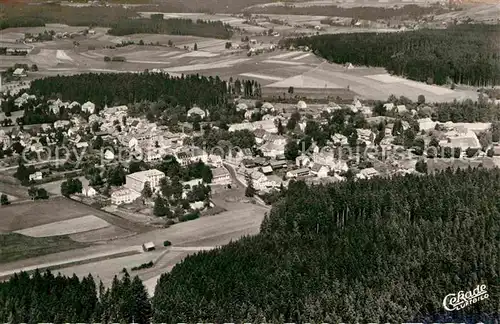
column 121, row 21
column 215, row 29
column 22, row 15
column 380, row 250
column 375, row 250
column 365, row 13
column 46, row 298
column 463, row 54
column 162, row 97
column 124, row 88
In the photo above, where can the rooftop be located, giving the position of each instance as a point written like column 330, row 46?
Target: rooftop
column 145, row 175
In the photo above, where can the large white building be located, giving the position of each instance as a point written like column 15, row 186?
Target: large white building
column 124, row 196
column 136, row 181
column 220, row 176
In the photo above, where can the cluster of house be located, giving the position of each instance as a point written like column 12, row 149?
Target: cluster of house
column 135, row 183
column 270, row 171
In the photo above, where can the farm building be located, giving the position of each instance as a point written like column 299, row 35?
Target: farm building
column 19, row 72
column 148, row 246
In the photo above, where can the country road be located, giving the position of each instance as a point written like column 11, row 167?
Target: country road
column 187, row 238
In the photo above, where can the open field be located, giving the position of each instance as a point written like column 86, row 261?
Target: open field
column 32, row 214
column 18, row 217
column 104, row 234
column 65, row 227
column 15, row 247
column 308, row 74
column 205, row 232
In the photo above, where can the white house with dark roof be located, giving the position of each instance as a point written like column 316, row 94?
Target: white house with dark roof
column 319, row 170
column 197, row 111
column 220, row 176
column 88, row 107
column 302, row 161
column 367, row 173
column 298, row 173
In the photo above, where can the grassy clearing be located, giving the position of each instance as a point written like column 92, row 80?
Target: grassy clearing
column 14, row 247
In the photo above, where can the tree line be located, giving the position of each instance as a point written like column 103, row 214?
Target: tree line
column 124, row 88
column 161, row 97
column 365, row 13
column 122, row 21
column 384, row 250
column 463, row 54
column 45, row 298
column 174, row 26
column 375, row 250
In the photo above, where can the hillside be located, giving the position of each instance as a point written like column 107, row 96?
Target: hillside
column 366, row 251
column 465, row 54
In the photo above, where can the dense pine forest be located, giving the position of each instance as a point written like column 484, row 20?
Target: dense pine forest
column 121, row 21
column 365, row 13
column 160, row 97
column 45, row 298
column 366, row 251
column 377, row 250
column 124, row 88
column 465, row 54
column 215, row 29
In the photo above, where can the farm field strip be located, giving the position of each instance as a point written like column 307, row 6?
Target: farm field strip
column 62, row 69
column 106, row 269
column 195, row 54
column 206, row 66
column 89, row 55
column 261, row 76
column 169, row 54
column 304, row 81
column 285, row 55
column 148, row 62
column 390, row 79
column 301, row 57
column 73, row 260
column 281, row 62
column 103, row 234
column 385, row 78
column 65, row 227
column 430, row 88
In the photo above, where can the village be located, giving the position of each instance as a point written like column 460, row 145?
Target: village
column 114, row 157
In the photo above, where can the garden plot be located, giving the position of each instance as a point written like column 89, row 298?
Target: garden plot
column 71, row 226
